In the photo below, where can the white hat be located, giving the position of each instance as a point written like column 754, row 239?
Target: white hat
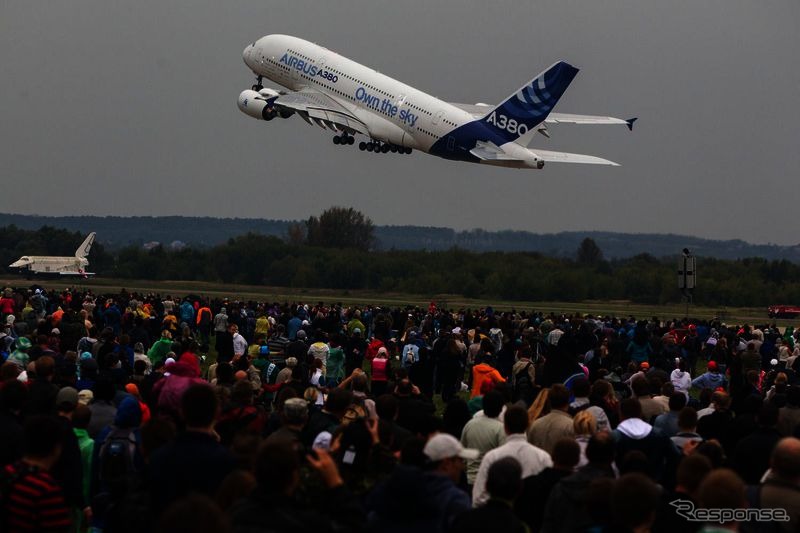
column 774, row 362
column 456, row 331
column 443, row 446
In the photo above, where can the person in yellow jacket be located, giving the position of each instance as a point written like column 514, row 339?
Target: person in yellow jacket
column 262, row 325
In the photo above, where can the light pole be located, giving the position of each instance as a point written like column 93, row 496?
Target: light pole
column 687, row 276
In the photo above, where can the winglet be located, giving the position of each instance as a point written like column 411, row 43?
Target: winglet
column 630, row 122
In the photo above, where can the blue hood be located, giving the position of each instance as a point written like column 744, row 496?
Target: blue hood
column 129, row 414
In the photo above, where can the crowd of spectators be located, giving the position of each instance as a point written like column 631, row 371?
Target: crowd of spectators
column 137, row 412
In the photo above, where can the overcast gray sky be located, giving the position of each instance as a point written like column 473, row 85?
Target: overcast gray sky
column 129, row 108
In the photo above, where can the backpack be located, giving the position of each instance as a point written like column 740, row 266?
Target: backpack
column 116, row 457
column 523, row 387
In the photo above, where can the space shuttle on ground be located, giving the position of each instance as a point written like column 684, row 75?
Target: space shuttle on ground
column 44, row 265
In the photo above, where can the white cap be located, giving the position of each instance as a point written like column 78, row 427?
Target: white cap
column 443, row 446
column 456, row 331
column 774, row 362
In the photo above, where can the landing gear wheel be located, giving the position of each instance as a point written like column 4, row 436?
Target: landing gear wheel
column 362, row 146
column 370, row 147
column 385, row 149
column 337, row 140
column 351, row 140
column 258, row 86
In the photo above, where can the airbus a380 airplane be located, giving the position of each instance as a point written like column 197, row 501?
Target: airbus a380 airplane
column 339, row 94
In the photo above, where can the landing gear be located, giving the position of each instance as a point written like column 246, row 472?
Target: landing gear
column 382, row 148
column 258, row 86
column 344, row 139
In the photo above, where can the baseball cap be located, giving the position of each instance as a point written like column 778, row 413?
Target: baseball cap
column 712, row 365
column 644, row 365
column 67, row 397
column 443, row 446
column 456, row 331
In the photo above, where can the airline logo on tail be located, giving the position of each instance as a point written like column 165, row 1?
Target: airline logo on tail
column 529, row 106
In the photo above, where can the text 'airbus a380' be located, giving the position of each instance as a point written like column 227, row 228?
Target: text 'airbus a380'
column 339, row 94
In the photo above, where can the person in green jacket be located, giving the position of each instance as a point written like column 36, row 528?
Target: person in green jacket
column 335, row 363
column 80, row 422
column 159, row 350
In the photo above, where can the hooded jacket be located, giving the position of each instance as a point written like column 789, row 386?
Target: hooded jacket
column 169, row 390
column 636, row 434
column 481, row 373
column 681, row 380
column 709, row 380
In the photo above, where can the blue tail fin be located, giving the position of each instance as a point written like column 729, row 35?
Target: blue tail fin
column 529, row 106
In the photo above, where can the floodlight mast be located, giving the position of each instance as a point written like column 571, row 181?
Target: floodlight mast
column 687, row 270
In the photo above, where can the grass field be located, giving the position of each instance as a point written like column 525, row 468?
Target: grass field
column 281, row 294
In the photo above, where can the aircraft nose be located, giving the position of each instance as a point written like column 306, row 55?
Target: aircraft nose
column 247, row 53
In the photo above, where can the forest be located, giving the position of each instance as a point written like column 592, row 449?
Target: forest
column 294, row 263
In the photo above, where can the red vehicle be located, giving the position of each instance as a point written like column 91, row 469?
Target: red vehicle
column 783, row 311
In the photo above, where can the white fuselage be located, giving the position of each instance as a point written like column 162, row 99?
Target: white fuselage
column 395, row 112
column 50, row 264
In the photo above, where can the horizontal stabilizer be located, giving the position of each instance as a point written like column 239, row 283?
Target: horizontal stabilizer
column 487, row 151
column 564, row 157
column 569, row 118
column 479, row 110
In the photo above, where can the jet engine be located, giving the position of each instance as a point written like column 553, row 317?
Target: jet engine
column 259, row 104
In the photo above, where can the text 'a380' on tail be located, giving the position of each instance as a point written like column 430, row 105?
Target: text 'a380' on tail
column 528, row 107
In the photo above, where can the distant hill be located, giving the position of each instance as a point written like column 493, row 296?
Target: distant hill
column 116, row 232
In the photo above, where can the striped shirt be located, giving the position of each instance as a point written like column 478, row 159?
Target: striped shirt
column 34, row 500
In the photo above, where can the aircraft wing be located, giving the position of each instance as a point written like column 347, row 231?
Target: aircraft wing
column 317, row 108
column 564, row 157
column 476, row 110
column 480, row 110
column 74, row 273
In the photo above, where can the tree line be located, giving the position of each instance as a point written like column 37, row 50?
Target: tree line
column 297, row 263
